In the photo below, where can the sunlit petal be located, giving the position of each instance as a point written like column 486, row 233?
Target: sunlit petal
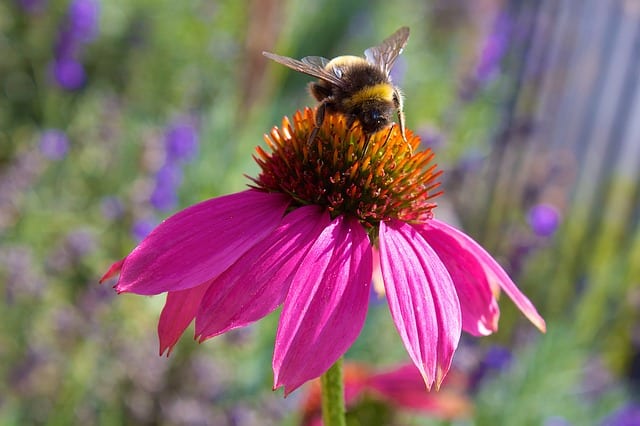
column 200, row 242
column 258, row 282
column 326, row 305
column 480, row 312
column 422, row 299
column 495, row 273
column 179, row 310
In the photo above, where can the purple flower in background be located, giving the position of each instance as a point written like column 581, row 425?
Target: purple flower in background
column 496, row 359
column 181, row 144
column 54, row 144
column 69, row 73
column 494, row 48
column 142, row 227
column 164, row 198
column 167, row 181
column 181, row 140
column 169, row 176
column 67, row 46
column 79, row 27
column 543, row 219
column 627, row 415
column 83, row 18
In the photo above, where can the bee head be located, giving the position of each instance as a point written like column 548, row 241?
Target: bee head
column 376, row 116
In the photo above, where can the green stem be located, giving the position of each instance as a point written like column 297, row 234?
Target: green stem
column 333, row 396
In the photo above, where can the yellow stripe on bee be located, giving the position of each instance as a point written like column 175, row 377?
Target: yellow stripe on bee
column 346, row 60
column 380, row 92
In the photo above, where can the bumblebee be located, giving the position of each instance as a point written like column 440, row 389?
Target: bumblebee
column 358, row 88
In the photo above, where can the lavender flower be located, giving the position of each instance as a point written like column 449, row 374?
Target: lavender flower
column 543, row 219
column 627, row 415
column 83, row 18
column 54, row 144
column 494, row 48
column 181, row 141
column 68, row 73
column 181, row 144
column 142, row 227
column 165, row 193
column 495, row 359
column 79, row 28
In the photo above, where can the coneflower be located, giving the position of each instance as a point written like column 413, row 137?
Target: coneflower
column 304, row 236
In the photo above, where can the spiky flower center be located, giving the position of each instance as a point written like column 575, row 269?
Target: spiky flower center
column 372, row 179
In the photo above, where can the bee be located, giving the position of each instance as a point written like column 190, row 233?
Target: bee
column 358, row 88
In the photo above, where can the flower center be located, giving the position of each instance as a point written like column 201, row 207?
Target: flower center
column 373, row 178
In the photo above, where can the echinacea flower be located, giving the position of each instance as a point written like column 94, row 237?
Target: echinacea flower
column 304, row 236
column 391, row 391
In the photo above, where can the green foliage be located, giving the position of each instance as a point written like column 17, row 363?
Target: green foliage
column 72, row 352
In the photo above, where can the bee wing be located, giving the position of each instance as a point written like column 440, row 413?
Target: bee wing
column 385, row 54
column 310, row 65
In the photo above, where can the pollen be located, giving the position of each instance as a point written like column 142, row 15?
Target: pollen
column 373, row 178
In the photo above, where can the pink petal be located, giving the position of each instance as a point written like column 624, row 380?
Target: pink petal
column 326, row 305
column 404, row 388
column 258, row 282
column 422, row 299
column 480, row 312
column 179, row 310
column 494, row 272
column 197, row 244
column 114, row 270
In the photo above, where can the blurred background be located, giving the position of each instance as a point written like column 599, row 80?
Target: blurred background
column 115, row 114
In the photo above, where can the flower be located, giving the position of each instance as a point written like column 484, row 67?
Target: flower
column 180, row 144
column 303, row 236
column 54, row 144
column 626, row 415
column 391, row 390
column 167, row 180
column 543, row 219
column 181, row 140
column 494, row 47
column 79, row 27
column 69, row 73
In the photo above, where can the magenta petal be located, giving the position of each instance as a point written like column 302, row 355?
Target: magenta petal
column 422, row 299
column 480, row 312
column 179, row 310
column 197, row 244
column 258, row 282
column 404, row 386
column 493, row 270
column 326, row 305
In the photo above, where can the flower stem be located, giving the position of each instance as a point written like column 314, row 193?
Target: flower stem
column 333, row 396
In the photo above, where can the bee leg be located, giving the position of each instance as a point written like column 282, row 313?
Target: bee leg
column 397, row 99
column 366, row 144
column 351, row 119
column 401, row 124
column 389, row 134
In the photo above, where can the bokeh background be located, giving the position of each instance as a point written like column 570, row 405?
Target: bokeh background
column 115, row 114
